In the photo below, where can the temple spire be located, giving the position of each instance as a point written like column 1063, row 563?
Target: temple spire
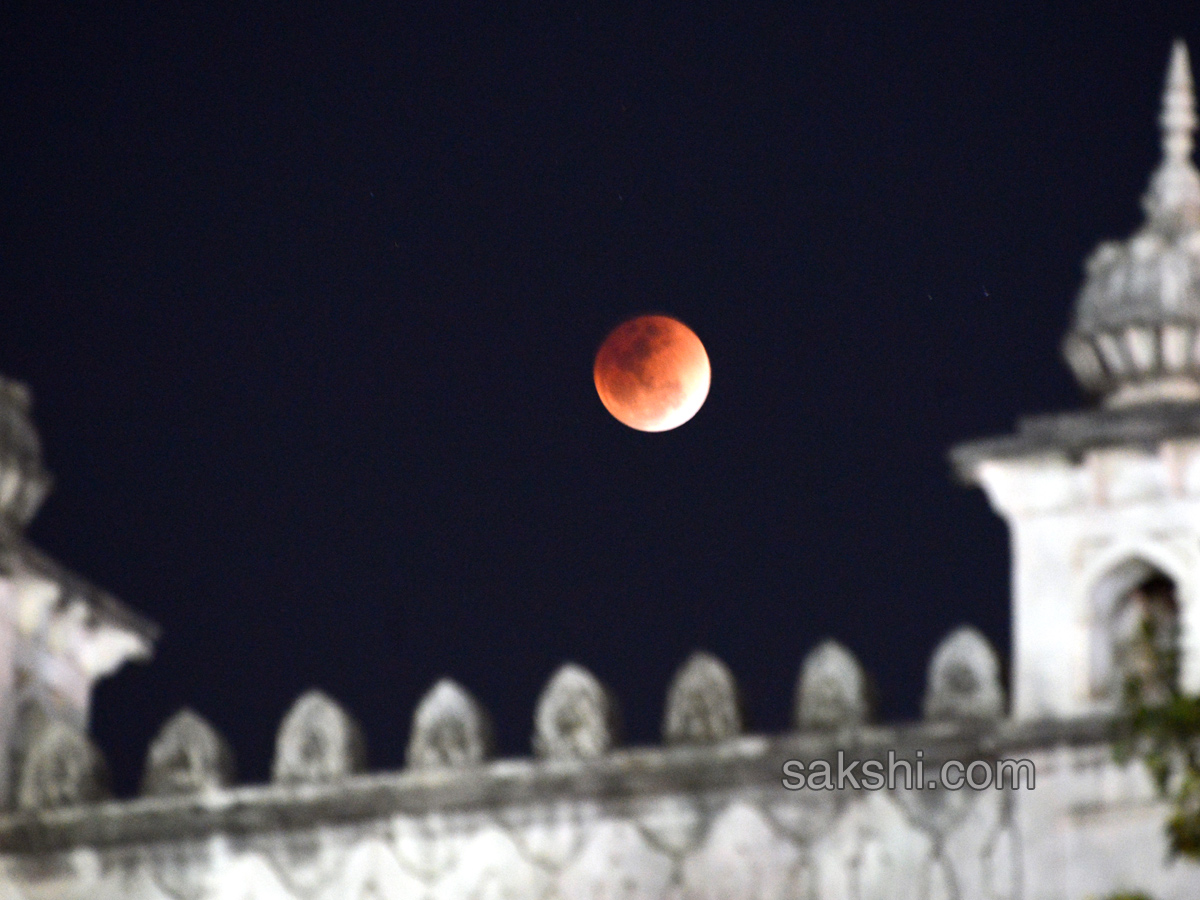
column 1173, row 201
column 1178, row 118
column 1135, row 338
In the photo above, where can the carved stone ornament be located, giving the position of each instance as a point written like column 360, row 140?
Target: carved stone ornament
column 318, row 741
column 964, row 678
column 1137, row 317
column 833, row 690
column 23, row 482
column 450, row 728
column 576, row 716
column 702, row 703
column 61, row 768
column 187, row 757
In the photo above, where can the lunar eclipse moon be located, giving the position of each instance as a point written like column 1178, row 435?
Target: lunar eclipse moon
column 652, row 373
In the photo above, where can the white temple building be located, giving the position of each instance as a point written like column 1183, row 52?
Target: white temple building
column 1103, row 507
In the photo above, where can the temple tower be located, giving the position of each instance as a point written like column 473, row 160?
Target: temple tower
column 58, row 634
column 1103, row 505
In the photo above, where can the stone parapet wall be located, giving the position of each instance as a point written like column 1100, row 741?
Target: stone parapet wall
column 706, row 816
column 688, row 822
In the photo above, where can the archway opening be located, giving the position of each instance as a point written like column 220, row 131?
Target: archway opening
column 1135, row 635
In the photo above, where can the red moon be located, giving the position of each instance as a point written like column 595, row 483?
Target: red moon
column 652, row 373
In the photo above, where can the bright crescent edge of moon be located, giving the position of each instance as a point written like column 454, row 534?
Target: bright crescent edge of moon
column 644, row 360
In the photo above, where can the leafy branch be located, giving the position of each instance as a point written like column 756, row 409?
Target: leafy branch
column 1161, row 725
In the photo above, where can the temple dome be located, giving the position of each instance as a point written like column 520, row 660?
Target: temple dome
column 1135, row 337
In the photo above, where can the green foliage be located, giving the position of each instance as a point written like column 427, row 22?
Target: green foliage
column 1161, row 726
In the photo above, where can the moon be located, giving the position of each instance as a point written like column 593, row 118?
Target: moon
column 652, row 373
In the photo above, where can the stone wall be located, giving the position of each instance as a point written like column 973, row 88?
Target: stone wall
column 707, row 816
column 711, row 822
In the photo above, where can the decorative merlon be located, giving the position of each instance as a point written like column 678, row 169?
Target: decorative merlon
column 576, row 716
column 24, row 483
column 703, row 705
column 188, row 756
column 450, row 729
column 833, row 691
column 964, row 680
column 61, row 767
column 318, row 742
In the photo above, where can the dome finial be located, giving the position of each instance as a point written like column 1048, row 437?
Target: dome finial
column 1178, row 119
column 1173, row 201
column 1135, row 338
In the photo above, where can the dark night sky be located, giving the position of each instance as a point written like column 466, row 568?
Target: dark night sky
column 308, row 299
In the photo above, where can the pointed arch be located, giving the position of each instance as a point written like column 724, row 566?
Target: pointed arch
column 1131, row 594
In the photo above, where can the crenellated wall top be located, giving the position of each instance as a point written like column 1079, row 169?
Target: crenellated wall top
column 621, row 777
column 320, row 756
